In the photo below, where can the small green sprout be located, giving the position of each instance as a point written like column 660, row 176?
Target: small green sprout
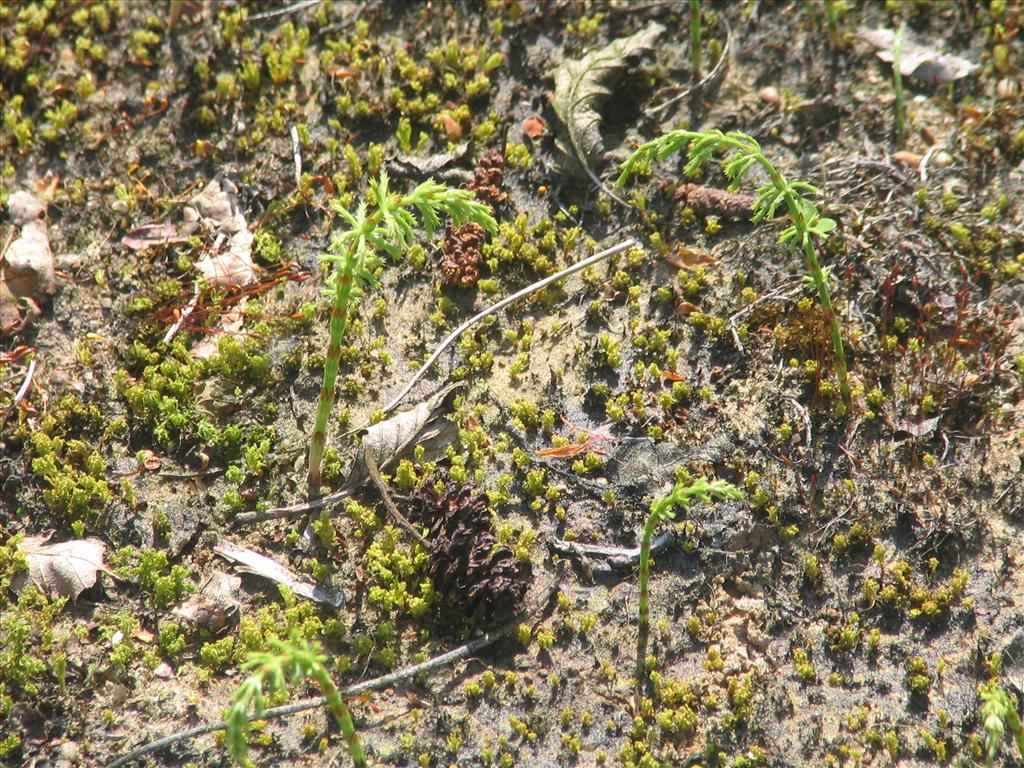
column 663, row 509
column 999, row 714
column 354, row 257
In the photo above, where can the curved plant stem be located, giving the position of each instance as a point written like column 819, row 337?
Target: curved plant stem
column 682, row 496
column 807, row 221
column 384, row 681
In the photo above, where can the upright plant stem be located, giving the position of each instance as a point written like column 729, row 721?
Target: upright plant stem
column 354, row 256
column 897, row 81
column 338, row 326
column 807, row 223
column 817, row 275
column 342, row 715
column 657, row 513
column 695, row 30
column 664, row 509
column 832, row 17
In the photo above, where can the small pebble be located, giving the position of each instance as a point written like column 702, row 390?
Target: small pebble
column 69, row 752
column 942, row 159
column 770, row 95
column 118, row 695
column 1007, row 89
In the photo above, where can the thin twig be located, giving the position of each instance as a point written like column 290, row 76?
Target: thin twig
column 295, row 510
column 183, row 315
column 384, row 681
column 454, row 335
column 704, row 81
column 614, row 557
column 371, row 466
column 293, row 8
column 23, row 389
column 296, row 155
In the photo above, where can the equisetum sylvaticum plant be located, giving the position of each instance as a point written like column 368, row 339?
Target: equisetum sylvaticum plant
column 998, row 716
column 289, row 664
column 897, row 82
column 695, row 22
column 807, row 224
column 663, row 509
column 354, row 256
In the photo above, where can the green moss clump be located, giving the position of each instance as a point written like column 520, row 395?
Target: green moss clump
column 151, row 570
column 76, row 475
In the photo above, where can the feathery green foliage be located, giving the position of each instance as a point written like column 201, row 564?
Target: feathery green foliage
column 387, row 225
column 291, row 663
column 682, row 496
column 807, row 223
column 998, row 715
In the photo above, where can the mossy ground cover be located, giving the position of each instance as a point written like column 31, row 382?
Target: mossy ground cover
column 845, row 613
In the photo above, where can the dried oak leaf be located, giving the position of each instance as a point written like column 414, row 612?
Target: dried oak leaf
column 582, row 86
column 391, row 439
column 215, row 605
column 65, row 569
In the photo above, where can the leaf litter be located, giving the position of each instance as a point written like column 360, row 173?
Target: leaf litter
column 582, row 86
column 65, row 569
column 253, row 562
column 919, row 60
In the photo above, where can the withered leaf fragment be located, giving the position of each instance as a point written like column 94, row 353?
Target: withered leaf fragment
column 261, row 565
column 582, row 86
column 65, row 569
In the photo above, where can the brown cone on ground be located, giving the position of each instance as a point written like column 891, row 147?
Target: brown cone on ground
column 461, row 249
column 476, row 577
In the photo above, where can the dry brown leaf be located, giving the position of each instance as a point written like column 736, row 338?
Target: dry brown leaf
column 215, row 209
column 153, row 235
column 392, row 438
column 215, row 605
column 688, row 256
column 27, row 263
column 148, row 459
column 909, row 159
column 582, row 86
column 233, row 268
column 230, row 322
column 261, row 565
column 534, row 126
column 921, row 61
column 422, row 167
column 64, row 569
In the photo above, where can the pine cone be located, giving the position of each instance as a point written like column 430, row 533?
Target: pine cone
column 489, row 178
column 476, row 578
column 461, row 248
column 462, row 257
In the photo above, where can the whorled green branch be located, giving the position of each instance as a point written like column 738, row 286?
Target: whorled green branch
column 291, row 663
column 806, row 221
column 354, row 258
